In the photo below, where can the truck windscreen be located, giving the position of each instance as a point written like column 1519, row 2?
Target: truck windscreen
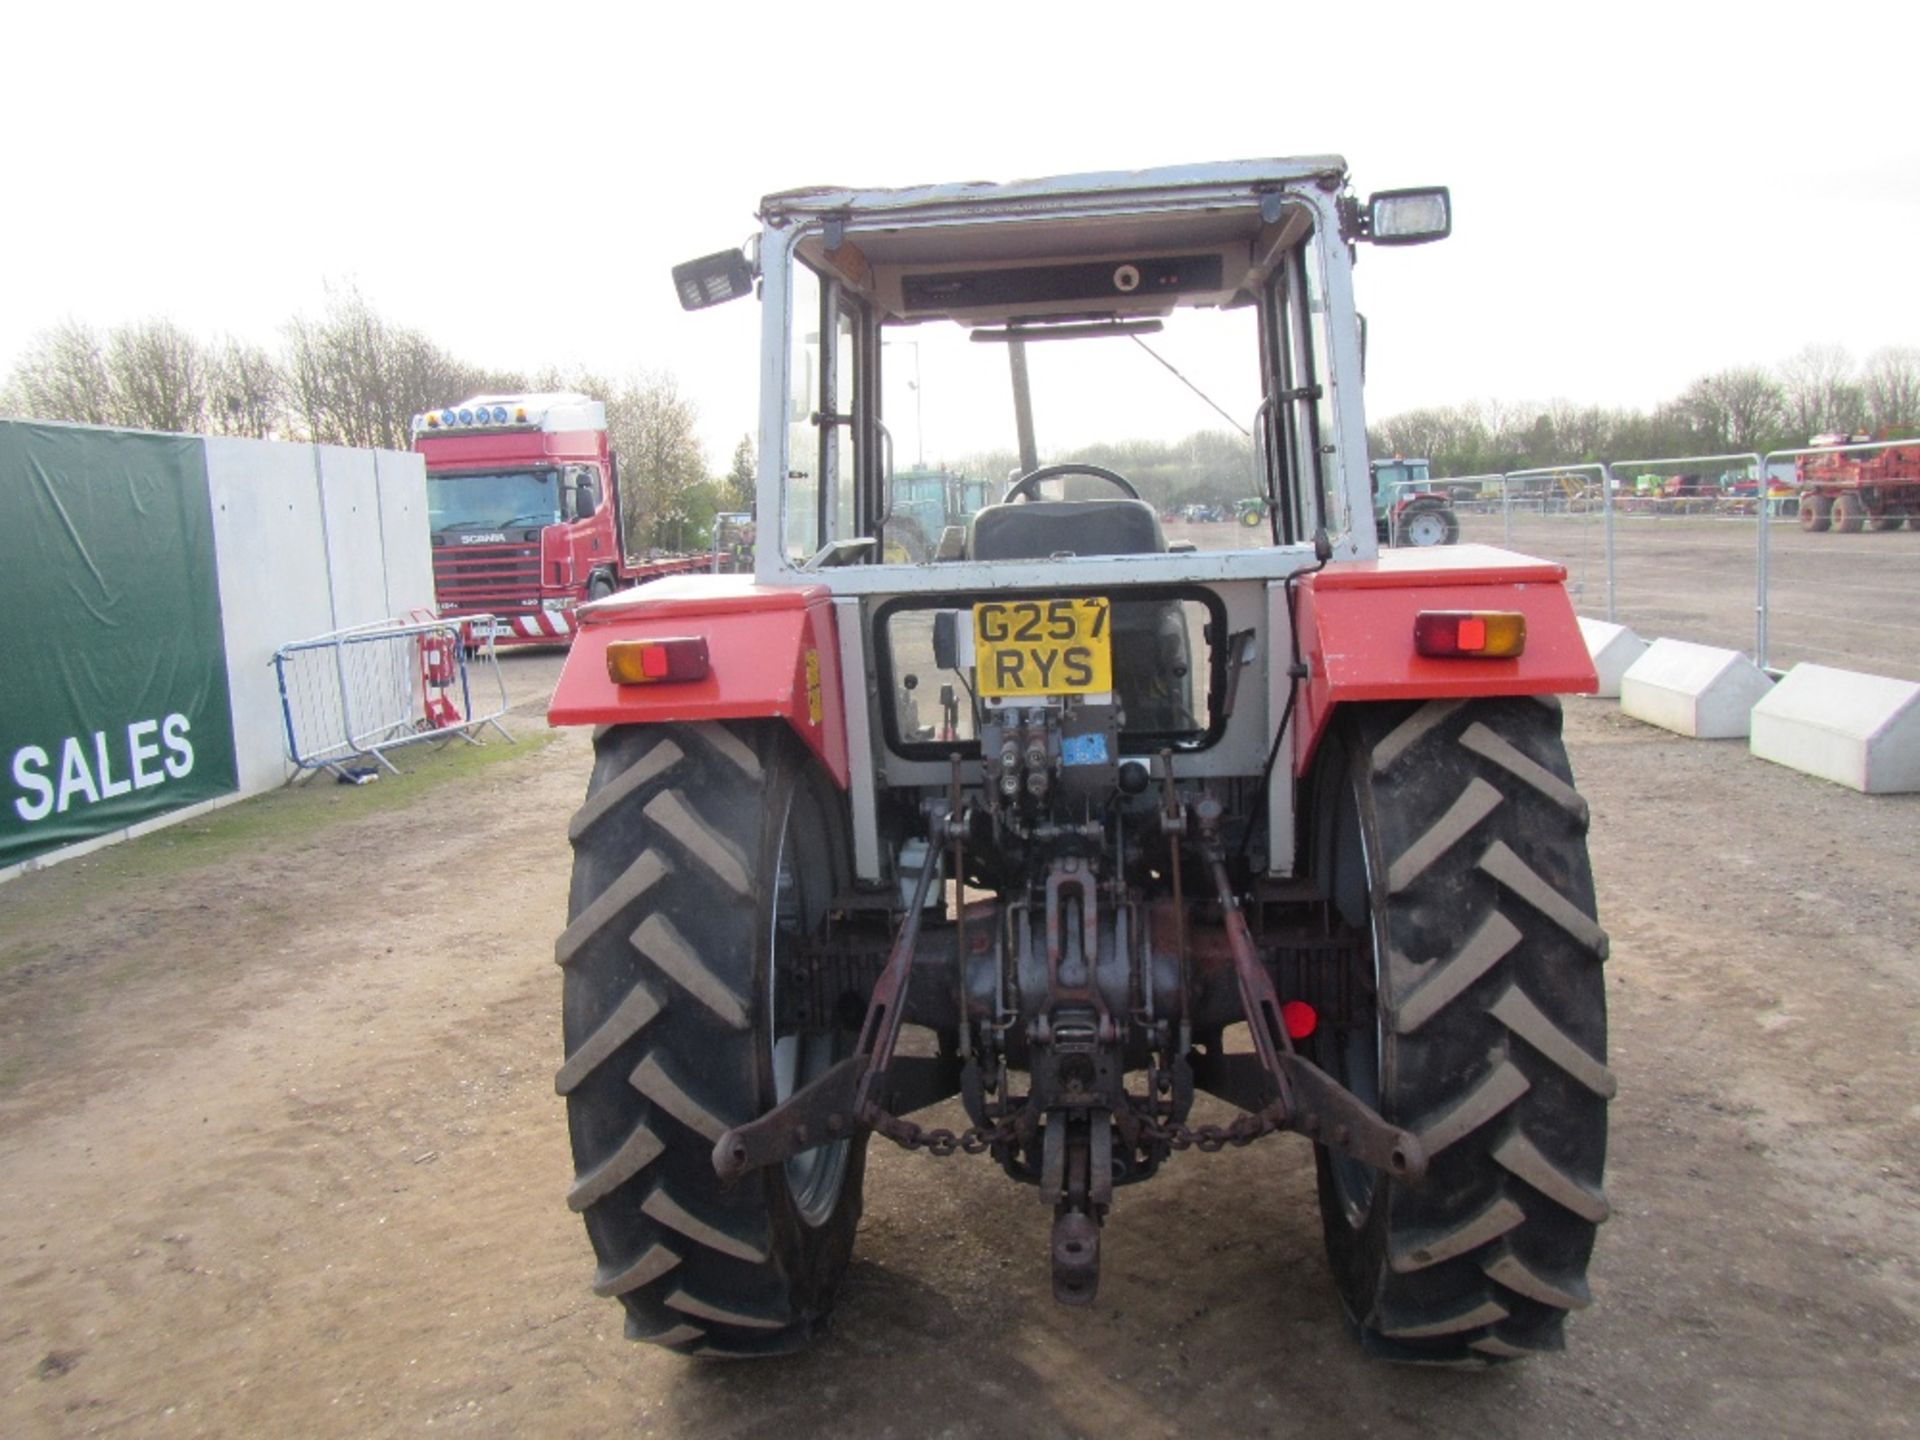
column 496, row 500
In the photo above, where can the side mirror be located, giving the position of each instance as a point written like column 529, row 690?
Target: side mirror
column 1409, row 217
column 713, row 279
column 585, row 501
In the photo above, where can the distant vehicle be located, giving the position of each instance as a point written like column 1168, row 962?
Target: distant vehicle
column 924, row 504
column 1850, row 490
column 1201, row 514
column 733, row 542
column 1405, row 511
column 523, row 502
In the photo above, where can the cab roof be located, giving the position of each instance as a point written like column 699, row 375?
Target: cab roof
column 1110, row 245
column 1144, row 185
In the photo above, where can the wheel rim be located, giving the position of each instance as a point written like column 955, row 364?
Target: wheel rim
column 1357, row 1062
column 814, row 1177
column 1425, row 528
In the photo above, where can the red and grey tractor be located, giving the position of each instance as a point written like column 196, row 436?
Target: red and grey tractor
column 1126, row 849
column 1406, row 509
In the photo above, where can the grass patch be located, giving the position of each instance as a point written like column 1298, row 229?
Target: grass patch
column 292, row 813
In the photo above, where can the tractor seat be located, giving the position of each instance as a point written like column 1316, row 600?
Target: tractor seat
column 1040, row 529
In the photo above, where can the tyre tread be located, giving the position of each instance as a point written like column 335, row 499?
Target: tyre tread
column 666, row 1045
column 1494, row 1002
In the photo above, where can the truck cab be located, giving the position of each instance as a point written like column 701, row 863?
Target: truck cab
column 523, row 509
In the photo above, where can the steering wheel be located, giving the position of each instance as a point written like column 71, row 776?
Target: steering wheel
column 1023, row 488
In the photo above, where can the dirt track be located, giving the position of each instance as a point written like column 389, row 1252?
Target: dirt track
column 279, row 1153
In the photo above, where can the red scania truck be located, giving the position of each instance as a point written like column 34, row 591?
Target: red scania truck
column 523, row 502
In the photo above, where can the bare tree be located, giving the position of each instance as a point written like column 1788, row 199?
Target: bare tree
column 63, row 376
column 156, row 377
column 1818, row 390
column 355, row 379
column 246, row 392
column 1891, row 388
column 652, row 427
column 333, row 370
column 1738, row 409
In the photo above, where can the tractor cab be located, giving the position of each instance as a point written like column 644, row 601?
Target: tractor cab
column 1181, row 316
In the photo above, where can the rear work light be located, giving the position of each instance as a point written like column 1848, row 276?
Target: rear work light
column 657, row 662
column 1469, row 634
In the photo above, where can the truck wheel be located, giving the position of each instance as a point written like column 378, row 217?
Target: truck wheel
column 1428, row 524
column 702, row 855
column 1891, row 517
column 1816, row 512
column 1849, row 515
column 1452, row 839
column 599, row 587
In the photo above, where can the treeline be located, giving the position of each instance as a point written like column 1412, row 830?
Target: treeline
column 1208, row 467
column 1818, row 391
column 349, row 376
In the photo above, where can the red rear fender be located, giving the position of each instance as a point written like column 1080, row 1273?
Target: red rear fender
column 1356, row 632
column 772, row 653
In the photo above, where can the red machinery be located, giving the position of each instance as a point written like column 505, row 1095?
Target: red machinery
column 524, row 505
column 1850, row 490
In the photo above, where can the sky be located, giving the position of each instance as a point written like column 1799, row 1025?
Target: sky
column 1642, row 193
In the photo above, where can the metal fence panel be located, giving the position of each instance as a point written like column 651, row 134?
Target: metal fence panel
column 358, row 693
column 1721, row 550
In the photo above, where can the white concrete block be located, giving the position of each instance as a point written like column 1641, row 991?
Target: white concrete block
column 1861, row 731
column 1695, row 690
column 1613, row 648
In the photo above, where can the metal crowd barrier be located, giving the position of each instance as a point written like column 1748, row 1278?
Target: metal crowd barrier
column 1587, row 515
column 355, row 694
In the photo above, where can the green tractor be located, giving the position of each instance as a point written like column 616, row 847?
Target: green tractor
column 925, row 504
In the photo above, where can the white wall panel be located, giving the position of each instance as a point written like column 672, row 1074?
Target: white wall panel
column 273, row 584
column 403, row 526
column 356, row 550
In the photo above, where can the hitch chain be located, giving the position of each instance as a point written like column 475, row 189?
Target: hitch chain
column 974, row 1140
column 1244, row 1129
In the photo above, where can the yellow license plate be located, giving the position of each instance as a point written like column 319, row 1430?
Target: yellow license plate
column 1043, row 647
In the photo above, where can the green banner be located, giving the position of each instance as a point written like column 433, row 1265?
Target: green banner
column 113, row 676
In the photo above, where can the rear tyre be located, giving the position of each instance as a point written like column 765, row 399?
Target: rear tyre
column 906, row 544
column 1892, row 517
column 703, row 853
column 1452, row 838
column 1849, row 515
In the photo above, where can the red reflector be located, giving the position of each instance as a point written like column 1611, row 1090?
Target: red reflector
column 1472, row 634
column 1300, row 1018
